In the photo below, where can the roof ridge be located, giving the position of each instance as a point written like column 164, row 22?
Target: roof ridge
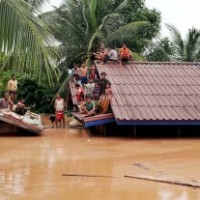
column 167, row 63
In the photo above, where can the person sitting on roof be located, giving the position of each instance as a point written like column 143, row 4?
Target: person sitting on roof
column 92, row 73
column 77, row 79
column 125, row 54
column 103, row 81
column 96, row 91
column 6, row 103
column 102, row 53
column 112, row 55
column 88, row 108
column 108, row 88
column 89, row 87
column 79, row 94
column 105, row 101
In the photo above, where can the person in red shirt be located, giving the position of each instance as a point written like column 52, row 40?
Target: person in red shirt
column 79, row 94
column 125, row 54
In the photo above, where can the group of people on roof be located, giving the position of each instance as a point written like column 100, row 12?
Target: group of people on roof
column 105, row 54
column 93, row 92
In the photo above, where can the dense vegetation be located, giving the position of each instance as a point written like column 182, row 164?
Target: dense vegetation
column 80, row 25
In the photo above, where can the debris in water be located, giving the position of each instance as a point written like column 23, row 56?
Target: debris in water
column 140, row 165
column 161, row 180
column 86, row 175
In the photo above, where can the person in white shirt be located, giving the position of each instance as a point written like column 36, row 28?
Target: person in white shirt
column 59, row 106
column 12, row 87
column 112, row 55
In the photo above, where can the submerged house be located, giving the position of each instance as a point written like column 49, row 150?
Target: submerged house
column 150, row 93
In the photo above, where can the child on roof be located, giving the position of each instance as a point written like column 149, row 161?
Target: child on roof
column 93, row 74
column 108, row 88
column 79, row 94
column 89, row 87
column 96, row 91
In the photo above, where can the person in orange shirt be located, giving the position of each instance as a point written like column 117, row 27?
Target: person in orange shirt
column 125, row 54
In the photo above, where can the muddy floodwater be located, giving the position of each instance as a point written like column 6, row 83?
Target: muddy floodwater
column 39, row 168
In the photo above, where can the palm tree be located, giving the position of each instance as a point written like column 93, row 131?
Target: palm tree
column 159, row 50
column 187, row 50
column 36, row 3
column 81, row 24
column 25, row 42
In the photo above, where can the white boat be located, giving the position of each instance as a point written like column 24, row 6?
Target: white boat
column 10, row 122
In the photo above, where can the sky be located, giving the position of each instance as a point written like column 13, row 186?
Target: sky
column 183, row 14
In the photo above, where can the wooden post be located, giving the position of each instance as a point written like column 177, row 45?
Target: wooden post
column 179, row 131
column 135, row 131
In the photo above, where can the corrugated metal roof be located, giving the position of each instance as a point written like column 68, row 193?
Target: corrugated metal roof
column 154, row 91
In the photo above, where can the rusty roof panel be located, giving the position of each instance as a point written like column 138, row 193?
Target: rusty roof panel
column 154, row 91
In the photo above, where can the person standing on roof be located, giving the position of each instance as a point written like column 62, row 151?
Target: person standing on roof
column 125, row 54
column 83, row 73
column 12, row 87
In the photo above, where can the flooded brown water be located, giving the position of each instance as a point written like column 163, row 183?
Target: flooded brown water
column 31, row 168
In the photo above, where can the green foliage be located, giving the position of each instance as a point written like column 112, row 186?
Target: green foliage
column 185, row 50
column 81, row 24
column 37, row 96
column 161, row 50
column 23, row 41
column 176, row 48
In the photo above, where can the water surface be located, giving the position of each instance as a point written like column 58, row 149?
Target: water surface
column 31, row 168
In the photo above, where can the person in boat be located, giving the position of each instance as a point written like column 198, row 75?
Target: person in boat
column 6, row 104
column 59, row 106
column 12, row 87
column 21, row 107
column 125, row 54
column 103, row 81
column 88, row 108
column 112, row 55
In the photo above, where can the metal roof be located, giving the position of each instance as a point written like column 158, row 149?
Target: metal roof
column 154, row 91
